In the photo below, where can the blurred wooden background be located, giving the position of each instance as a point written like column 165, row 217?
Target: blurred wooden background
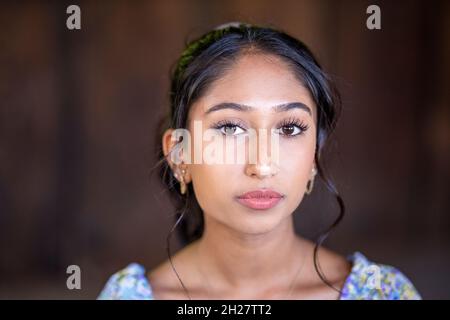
column 78, row 111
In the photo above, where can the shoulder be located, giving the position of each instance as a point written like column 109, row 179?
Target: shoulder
column 164, row 277
column 373, row 281
column 129, row 283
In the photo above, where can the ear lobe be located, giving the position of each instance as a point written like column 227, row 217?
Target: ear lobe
column 187, row 177
column 182, row 172
column 313, row 171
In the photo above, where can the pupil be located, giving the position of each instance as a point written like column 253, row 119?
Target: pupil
column 230, row 129
column 288, row 130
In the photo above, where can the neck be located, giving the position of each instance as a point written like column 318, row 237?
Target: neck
column 232, row 260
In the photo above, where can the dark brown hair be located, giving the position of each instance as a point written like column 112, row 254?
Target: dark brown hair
column 203, row 61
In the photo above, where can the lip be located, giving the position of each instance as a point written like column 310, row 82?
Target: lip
column 261, row 199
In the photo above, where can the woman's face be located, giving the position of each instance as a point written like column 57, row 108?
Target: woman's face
column 260, row 82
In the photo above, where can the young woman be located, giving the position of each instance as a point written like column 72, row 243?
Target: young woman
column 237, row 218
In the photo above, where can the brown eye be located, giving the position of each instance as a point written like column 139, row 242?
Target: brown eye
column 291, row 128
column 288, row 130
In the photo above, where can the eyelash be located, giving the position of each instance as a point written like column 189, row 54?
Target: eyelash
column 283, row 124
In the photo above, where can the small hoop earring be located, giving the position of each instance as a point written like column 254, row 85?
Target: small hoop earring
column 309, row 186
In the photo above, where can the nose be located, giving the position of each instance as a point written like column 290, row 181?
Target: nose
column 261, row 170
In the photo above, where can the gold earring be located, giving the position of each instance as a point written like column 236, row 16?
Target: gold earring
column 310, row 184
column 182, row 183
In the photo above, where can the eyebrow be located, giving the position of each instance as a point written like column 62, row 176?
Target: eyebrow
column 242, row 107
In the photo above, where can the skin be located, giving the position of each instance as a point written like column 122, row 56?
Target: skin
column 246, row 253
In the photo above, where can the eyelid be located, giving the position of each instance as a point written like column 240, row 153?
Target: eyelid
column 219, row 125
column 295, row 121
column 230, row 122
column 292, row 121
column 302, row 126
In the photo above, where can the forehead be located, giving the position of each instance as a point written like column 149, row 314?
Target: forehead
column 258, row 80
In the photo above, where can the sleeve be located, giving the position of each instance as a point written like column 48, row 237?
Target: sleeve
column 394, row 285
column 373, row 281
column 381, row 282
column 127, row 284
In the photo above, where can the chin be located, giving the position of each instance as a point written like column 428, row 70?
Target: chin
column 256, row 223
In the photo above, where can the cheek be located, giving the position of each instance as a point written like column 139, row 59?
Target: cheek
column 214, row 184
column 296, row 160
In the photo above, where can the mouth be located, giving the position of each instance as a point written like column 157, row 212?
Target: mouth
column 262, row 199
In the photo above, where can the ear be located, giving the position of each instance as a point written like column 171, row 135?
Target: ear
column 168, row 145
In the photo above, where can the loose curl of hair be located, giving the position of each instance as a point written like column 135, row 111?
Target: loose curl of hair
column 205, row 60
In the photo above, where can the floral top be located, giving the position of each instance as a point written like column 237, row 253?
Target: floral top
column 366, row 281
